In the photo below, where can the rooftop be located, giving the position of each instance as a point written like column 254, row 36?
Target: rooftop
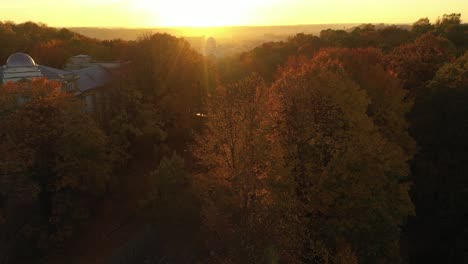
column 20, row 60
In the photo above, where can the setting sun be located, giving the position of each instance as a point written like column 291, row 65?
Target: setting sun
column 210, row 13
column 198, row 13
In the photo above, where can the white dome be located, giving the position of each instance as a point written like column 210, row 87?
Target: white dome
column 20, row 60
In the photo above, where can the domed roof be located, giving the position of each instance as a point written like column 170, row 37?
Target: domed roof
column 20, row 60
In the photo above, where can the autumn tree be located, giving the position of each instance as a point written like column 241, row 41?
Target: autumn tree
column 266, row 59
column 345, row 172
column 237, row 168
column 53, row 53
column 53, row 47
column 388, row 106
column 56, row 149
column 416, row 63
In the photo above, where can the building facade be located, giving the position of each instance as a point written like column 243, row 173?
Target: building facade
column 81, row 76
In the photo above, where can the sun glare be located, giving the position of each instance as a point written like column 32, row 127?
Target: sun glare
column 200, row 13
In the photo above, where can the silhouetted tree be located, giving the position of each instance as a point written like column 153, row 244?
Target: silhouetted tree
column 422, row 26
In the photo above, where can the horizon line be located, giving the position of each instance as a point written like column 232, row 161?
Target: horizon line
column 218, row 27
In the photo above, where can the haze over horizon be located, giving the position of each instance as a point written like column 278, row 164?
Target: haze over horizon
column 209, row 13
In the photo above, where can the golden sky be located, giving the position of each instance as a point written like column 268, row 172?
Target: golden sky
column 159, row 13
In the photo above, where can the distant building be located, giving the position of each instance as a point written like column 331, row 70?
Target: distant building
column 210, row 47
column 82, row 75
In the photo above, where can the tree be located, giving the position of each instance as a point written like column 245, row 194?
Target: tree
column 307, row 45
column 365, row 35
column 53, row 53
column 335, row 38
column 388, row 106
column 450, row 27
column 346, row 174
column 393, row 36
column 416, row 63
column 175, row 79
column 134, row 125
column 236, row 171
column 438, row 232
column 266, row 59
column 174, row 210
column 56, row 148
column 35, row 38
column 448, row 20
column 422, row 26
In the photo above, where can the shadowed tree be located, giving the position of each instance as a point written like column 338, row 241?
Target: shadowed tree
column 439, row 124
column 174, row 210
column 346, row 174
column 56, row 149
column 388, row 107
column 175, row 79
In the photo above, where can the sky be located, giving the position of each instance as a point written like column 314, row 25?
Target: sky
column 172, row 13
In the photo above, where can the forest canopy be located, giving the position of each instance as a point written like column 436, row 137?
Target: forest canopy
column 344, row 147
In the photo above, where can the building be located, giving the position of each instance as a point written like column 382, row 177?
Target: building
column 210, row 47
column 19, row 66
column 81, row 76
